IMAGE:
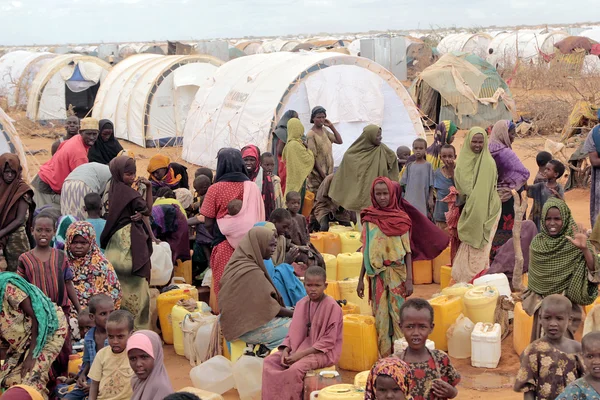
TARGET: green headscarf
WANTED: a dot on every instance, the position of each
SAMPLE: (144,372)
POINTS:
(299,160)
(362,163)
(476,176)
(451,130)
(556,266)
(43,308)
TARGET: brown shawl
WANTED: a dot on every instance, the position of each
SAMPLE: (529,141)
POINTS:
(124,202)
(10,195)
(248,298)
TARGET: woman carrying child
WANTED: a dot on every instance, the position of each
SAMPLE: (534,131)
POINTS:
(263,180)
(562,261)
(390,378)
(151,380)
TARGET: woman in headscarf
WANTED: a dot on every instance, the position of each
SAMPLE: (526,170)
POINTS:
(389,375)
(16,210)
(592,148)
(264,182)
(107,146)
(475,179)
(127,238)
(387,261)
(137,185)
(34,329)
(87,178)
(319,140)
(366,159)
(512,175)
(280,137)
(444,134)
(164,173)
(151,382)
(252,309)
(562,261)
(231,182)
(299,160)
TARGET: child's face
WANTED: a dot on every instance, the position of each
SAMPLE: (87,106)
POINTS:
(85,323)
(283,227)
(8,175)
(382,195)
(448,157)
(141,363)
(293,205)
(553,222)
(386,388)
(43,231)
(315,286)
(555,321)
(416,326)
(118,333)
(550,173)
(103,310)
(591,358)
(402,154)
(419,150)
(79,246)
(268,165)
(202,187)
(129,178)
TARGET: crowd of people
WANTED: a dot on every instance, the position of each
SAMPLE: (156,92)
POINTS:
(78,241)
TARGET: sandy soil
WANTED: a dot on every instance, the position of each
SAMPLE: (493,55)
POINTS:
(495,383)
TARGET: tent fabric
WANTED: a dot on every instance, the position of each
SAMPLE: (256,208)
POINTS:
(10,142)
(14,66)
(465,42)
(525,45)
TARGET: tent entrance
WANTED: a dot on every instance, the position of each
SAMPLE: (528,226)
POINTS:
(83,101)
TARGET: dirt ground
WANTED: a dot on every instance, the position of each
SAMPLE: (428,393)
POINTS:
(497,383)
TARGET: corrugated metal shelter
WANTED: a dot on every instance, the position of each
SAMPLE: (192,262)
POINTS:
(214,48)
(389,52)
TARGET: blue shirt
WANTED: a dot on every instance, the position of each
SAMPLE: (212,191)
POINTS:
(89,347)
(442,188)
(98,224)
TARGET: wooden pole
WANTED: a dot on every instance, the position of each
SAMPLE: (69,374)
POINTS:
(520,211)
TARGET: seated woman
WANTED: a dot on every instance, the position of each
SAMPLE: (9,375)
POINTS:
(33,330)
(252,309)
(326,210)
(164,173)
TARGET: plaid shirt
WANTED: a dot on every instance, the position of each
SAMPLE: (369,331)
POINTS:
(89,347)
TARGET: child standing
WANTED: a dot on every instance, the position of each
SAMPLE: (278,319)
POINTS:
(417,181)
(558,355)
(541,192)
(542,158)
(390,378)
(110,372)
(403,153)
(314,341)
(443,179)
(93,207)
(203,240)
(435,377)
(588,387)
(267,162)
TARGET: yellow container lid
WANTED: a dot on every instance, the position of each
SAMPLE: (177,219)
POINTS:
(341,392)
(481,294)
(458,289)
(360,380)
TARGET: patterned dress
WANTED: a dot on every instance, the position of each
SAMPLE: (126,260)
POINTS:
(437,367)
(579,390)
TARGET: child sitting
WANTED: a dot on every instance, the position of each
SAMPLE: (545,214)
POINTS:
(443,179)
(93,207)
(390,378)
(267,162)
(314,341)
(541,192)
(417,181)
(557,354)
(151,381)
(588,387)
(435,377)
(234,207)
(111,373)
(403,153)
(542,158)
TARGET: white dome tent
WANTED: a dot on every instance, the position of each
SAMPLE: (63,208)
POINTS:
(528,44)
(69,79)
(592,33)
(10,141)
(17,71)
(148,96)
(247,96)
(476,43)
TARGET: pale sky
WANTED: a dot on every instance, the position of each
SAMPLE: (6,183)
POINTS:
(26,22)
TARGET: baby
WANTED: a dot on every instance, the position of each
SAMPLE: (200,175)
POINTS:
(234,207)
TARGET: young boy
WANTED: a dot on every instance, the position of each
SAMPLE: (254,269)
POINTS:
(417,181)
(93,206)
(111,373)
(402,153)
(443,179)
(435,377)
(588,387)
(542,158)
(314,341)
(203,239)
(267,162)
(541,192)
(558,355)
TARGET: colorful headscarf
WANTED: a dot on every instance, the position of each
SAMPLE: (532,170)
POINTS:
(391,220)
(299,160)
(556,266)
(262,179)
(94,258)
(60,237)
(10,195)
(170,180)
(396,369)
(157,385)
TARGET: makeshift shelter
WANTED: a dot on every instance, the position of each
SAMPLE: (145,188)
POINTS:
(179,48)
(148,96)
(526,45)
(69,79)
(17,71)
(246,98)
(464,89)
(10,142)
(476,43)
(250,48)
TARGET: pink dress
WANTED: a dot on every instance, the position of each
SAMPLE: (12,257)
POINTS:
(286,383)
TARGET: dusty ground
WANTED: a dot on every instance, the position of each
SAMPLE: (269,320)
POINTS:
(495,383)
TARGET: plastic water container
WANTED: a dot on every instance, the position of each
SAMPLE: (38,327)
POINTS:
(589,307)
(178,313)
(339,392)
(480,304)
(523,325)
(215,375)
(180,283)
(458,290)
(161,264)
(75,361)
(183,270)
(349,265)
(459,338)
(336,228)
(307,205)
(164,304)
(401,344)
(247,375)
(350,308)
(333,289)
(202,339)
(317,380)
(330,266)
(203,394)
(359,347)
(445,276)
(446,310)
(499,281)
(189,326)
(350,241)
(486,346)
(348,293)
(332,243)
(422,272)
(360,380)
(318,240)
(439,262)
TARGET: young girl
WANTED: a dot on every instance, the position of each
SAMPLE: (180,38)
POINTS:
(443,179)
(541,192)
(435,377)
(550,364)
(267,163)
(390,378)
(151,381)
(588,387)
(417,181)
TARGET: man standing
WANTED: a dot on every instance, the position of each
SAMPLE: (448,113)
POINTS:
(72,128)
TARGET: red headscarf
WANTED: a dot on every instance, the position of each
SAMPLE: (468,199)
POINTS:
(252,151)
(392,220)
(267,188)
